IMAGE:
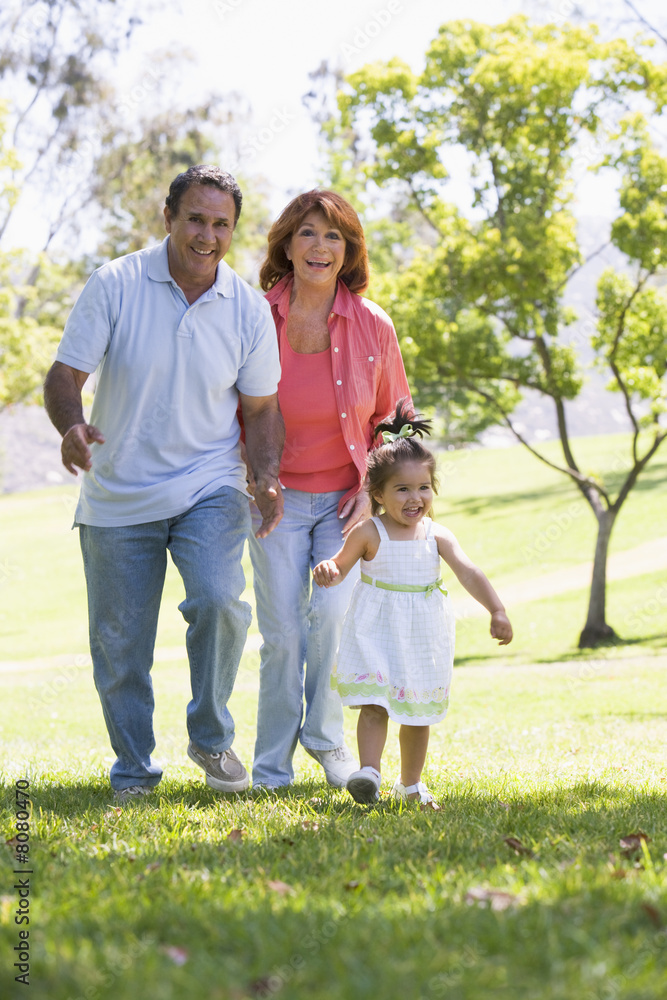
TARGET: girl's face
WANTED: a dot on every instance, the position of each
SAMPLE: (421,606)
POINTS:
(408,493)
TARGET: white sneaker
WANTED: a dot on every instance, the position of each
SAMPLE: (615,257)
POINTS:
(424,796)
(364,785)
(338,764)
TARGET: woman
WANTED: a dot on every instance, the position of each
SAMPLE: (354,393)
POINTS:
(342,373)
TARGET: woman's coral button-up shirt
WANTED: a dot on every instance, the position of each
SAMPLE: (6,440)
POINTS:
(368,373)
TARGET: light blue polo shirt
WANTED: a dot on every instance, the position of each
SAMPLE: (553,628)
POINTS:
(168,377)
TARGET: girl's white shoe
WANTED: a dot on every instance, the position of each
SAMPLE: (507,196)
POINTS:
(424,797)
(364,785)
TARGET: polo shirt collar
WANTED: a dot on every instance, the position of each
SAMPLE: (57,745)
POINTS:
(279,296)
(158,270)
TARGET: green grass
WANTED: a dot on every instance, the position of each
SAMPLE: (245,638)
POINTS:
(319,897)
(515,517)
(518,518)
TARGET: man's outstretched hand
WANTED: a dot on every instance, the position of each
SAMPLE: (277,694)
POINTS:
(74,449)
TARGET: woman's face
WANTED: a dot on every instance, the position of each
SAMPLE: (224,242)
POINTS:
(317,251)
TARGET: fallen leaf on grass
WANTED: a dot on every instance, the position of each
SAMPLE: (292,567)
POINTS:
(632,843)
(653,914)
(263,987)
(498,899)
(12,842)
(179,956)
(518,847)
(282,888)
(618,872)
(235,835)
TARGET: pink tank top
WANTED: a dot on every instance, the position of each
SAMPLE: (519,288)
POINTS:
(315,458)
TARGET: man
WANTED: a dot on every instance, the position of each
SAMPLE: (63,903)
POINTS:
(176,338)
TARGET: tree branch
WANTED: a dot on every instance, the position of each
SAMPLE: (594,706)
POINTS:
(643,20)
(636,469)
(590,489)
(587,260)
(420,208)
(612,361)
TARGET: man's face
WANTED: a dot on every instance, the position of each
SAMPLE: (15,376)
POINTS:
(201,233)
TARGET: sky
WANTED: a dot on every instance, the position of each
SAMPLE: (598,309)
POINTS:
(266,49)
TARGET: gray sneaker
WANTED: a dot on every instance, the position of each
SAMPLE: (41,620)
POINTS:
(224,771)
(134,792)
(338,764)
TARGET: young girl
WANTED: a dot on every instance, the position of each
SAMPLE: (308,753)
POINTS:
(397,648)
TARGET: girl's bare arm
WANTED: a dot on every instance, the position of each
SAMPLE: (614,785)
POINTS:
(361,543)
(475,582)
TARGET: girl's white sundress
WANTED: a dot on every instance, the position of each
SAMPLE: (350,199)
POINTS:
(397,647)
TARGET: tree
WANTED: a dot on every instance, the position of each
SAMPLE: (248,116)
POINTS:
(131,177)
(31,314)
(481,307)
(97,159)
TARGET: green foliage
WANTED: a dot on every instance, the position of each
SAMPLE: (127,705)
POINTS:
(113,161)
(479,305)
(35,297)
(132,177)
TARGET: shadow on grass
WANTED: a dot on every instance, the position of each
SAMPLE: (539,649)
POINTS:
(461,801)
(592,652)
(655,645)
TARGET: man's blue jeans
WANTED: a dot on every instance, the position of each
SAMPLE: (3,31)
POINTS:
(300,625)
(125,569)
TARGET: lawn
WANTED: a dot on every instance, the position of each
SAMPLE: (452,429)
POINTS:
(542,876)
(518,887)
(515,517)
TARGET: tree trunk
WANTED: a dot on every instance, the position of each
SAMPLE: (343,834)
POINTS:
(596,631)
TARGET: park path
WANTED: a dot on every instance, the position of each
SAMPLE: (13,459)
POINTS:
(646,558)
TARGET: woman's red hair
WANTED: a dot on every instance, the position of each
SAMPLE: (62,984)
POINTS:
(339,214)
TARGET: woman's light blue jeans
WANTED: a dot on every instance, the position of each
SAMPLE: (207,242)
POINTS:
(300,625)
(125,569)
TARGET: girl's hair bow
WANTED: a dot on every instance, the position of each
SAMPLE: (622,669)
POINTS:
(406,431)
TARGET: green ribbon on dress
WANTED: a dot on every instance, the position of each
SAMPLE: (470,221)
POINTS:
(409,588)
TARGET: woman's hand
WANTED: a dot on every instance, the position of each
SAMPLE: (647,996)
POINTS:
(356,510)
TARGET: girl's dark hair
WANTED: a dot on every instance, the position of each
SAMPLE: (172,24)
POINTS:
(382,461)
